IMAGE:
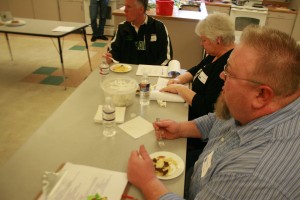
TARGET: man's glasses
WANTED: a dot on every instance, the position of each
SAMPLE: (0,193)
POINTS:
(227,74)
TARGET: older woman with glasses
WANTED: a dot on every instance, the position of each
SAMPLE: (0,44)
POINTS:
(216,34)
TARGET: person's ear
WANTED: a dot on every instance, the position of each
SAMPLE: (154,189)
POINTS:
(264,96)
(219,39)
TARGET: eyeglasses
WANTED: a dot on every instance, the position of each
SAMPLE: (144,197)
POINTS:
(227,74)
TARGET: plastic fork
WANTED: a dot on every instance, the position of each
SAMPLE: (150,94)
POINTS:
(160,141)
(112,59)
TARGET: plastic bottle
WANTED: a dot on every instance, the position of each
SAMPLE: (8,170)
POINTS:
(103,70)
(144,90)
(108,118)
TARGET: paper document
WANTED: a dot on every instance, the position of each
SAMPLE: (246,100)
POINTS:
(172,70)
(63,29)
(79,182)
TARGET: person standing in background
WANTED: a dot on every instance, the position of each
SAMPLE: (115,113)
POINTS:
(97,6)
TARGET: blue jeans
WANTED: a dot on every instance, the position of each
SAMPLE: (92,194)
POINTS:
(98,8)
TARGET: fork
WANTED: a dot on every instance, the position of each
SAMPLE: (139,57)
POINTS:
(112,59)
(160,141)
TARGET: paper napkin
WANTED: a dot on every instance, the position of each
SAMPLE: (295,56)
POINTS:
(137,127)
(164,96)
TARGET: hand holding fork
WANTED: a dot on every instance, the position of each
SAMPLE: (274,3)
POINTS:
(108,56)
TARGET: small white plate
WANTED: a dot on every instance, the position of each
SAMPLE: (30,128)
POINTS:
(176,169)
(120,68)
(15,22)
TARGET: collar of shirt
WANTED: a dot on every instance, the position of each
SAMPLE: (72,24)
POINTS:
(261,126)
(137,28)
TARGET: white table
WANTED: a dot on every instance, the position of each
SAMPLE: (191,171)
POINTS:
(43,28)
(70,134)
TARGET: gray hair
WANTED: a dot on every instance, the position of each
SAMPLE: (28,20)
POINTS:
(278,58)
(217,25)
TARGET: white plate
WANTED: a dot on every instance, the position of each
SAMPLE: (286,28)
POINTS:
(15,22)
(120,68)
(176,170)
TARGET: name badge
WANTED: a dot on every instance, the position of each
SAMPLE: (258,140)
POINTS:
(203,77)
(206,164)
(140,46)
(153,38)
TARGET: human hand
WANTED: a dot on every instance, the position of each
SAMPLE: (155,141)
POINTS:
(173,88)
(174,81)
(169,128)
(141,173)
(107,57)
(140,168)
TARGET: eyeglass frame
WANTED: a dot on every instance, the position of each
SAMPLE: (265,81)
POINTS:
(227,74)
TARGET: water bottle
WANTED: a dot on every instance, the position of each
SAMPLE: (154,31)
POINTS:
(103,70)
(108,118)
(144,90)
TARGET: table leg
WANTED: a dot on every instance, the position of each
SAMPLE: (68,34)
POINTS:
(62,62)
(87,47)
(9,48)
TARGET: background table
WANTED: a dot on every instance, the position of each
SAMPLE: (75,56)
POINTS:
(44,28)
(71,135)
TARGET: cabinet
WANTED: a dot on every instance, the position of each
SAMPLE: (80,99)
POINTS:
(281,21)
(45,9)
(296,30)
(71,10)
(39,9)
(212,9)
(21,8)
(4,5)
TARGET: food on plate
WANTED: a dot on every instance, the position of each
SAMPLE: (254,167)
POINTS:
(96,197)
(15,21)
(163,165)
(120,68)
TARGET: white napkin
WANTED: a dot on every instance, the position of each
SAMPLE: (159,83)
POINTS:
(120,114)
(137,127)
(165,96)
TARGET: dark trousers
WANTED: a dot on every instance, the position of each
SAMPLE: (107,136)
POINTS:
(96,7)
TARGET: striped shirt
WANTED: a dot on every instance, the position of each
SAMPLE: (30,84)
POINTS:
(259,160)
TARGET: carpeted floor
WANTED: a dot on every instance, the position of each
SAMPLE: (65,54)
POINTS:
(31,85)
